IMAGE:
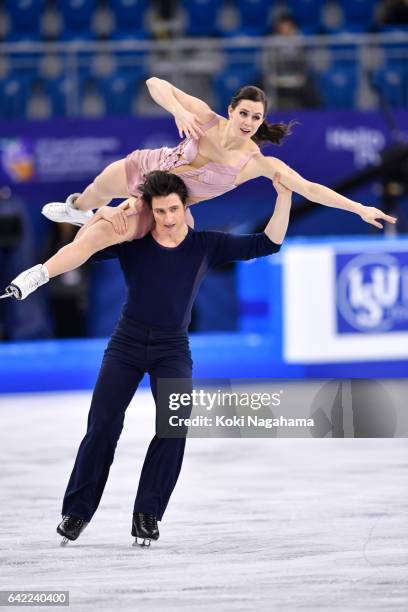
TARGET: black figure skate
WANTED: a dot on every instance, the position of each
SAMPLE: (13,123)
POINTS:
(144,529)
(70,528)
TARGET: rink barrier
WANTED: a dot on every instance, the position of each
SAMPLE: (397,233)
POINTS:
(73,364)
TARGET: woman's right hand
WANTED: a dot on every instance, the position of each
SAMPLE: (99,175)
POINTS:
(188,124)
(115,215)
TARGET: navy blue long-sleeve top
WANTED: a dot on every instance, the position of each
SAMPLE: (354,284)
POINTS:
(163,282)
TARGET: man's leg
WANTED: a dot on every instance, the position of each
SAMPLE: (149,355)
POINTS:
(164,456)
(115,387)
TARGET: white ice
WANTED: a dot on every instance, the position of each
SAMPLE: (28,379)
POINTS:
(253,524)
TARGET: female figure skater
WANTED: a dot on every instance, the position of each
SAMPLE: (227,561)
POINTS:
(216,156)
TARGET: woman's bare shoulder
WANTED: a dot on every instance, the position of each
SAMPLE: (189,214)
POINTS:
(265,160)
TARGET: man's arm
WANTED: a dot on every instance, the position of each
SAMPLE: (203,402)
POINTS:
(278,223)
(230,247)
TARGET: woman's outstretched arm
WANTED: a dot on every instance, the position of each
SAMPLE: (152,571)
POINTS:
(189,112)
(315,192)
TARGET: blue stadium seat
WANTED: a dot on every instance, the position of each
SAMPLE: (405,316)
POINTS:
(255,17)
(77,14)
(130,35)
(202,16)
(130,14)
(119,92)
(21,36)
(60,90)
(345,54)
(76,35)
(131,64)
(338,87)
(241,57)
(39,105)
(395,55)
(229,81)
(14,92)
(393,27)
(91,99)
(307,14)
(24,64)
(25,15)
(391,85)
(358,15)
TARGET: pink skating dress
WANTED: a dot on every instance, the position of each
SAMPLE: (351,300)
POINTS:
(208,181)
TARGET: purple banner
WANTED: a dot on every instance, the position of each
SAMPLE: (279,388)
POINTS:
(324,147)
(59,157)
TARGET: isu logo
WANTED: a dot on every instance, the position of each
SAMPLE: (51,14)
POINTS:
(370,292)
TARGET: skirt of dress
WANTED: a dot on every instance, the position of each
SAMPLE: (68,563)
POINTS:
(137,165)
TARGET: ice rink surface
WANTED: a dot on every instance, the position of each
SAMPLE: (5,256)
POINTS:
(253,524)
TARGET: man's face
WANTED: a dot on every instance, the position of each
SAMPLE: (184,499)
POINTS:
(169,214)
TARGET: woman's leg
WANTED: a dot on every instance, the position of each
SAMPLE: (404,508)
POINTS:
(98,236)
(95,218)
(111,183)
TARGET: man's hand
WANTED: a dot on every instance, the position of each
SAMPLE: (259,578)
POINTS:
(371,214)
(188,124)
(115,215)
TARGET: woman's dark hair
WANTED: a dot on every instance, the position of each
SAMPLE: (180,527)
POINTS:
(267,132)
(159,183)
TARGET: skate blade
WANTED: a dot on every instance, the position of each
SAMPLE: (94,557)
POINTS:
(64,542)
(6,295)
(142,542)
(11,291)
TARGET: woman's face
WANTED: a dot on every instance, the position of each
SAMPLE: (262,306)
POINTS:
(246,118)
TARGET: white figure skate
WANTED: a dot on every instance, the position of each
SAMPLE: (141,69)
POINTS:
(65,212)
(27,282)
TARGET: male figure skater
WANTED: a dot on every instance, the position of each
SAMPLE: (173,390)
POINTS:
(163,272)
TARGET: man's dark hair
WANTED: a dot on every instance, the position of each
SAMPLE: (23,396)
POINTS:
(159,183)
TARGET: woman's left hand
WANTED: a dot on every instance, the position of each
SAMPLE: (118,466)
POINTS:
(370,214)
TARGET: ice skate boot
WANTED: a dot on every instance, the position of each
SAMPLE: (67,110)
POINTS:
(144,529)
(65,212)
(70,528)
(27,282)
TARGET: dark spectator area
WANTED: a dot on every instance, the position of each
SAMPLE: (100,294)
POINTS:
(89,58)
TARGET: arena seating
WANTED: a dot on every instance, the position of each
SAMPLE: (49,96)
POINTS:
(308,14)
(391,84)
(201,17)
(230,80)
(255,17)
(77,15)
(14,92)
(25,18)
(358,15)
(116,78)
(339,87)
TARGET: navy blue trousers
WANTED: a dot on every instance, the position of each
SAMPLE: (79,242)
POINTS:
(132,351)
